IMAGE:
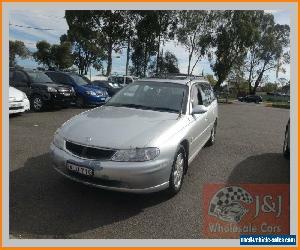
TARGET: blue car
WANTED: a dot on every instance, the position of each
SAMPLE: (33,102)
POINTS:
(87,93)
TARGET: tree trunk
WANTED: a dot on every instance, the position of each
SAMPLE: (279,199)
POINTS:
(189,66)
(158,56)
(109,59)
(128,54)
(258,80)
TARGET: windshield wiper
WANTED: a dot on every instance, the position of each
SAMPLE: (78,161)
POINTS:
(164,109)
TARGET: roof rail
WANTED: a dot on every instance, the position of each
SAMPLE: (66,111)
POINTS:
(179,76)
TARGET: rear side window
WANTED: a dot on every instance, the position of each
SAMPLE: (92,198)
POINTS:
(20,79)
(207,94)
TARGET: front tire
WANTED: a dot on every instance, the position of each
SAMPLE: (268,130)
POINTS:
(177,173)
(286,150)
(80,102)
(38,103)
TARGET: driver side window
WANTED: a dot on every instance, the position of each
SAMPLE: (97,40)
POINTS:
(196,98)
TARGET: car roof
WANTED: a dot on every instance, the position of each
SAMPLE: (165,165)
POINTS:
(186,81)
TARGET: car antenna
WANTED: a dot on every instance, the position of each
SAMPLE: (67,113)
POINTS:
(180,111)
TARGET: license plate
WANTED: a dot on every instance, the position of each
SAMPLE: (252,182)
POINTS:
(102,99)
(80,169)
(67,94)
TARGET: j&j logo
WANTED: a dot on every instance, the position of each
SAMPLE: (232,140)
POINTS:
(227,203)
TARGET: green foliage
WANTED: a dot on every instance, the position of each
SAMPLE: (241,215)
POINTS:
(145,43)
(195,28)
(112,27)
(168,64)
(232,37)
(267,50)
(17,48)
(269,87)
(88,49)
(211,80)
(56,55)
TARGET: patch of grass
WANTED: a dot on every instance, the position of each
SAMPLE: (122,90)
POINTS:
(282,105)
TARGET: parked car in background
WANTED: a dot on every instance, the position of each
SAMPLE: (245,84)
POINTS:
(286,143)
(122,80)
(40,89)
(18,101)
(112,88)
(250,98)
(156,128)
(86,92)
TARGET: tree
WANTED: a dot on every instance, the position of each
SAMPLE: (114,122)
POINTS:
(144,43)
(268,49)
(56,55)
(43,53)
(232,37)
(164,19)
(112,27)
(17,48)
(168,64)
(194,33)
(210,78)
(88,50)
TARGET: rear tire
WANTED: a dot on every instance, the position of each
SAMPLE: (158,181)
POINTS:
(178,170)
(212,138)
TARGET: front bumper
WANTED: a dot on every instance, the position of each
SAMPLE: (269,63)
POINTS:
(19,106)
(133,177)
(60,99)
(95,100)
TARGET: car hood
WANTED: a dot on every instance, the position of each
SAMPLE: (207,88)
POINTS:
(92,87)
(118,127)
(15,94)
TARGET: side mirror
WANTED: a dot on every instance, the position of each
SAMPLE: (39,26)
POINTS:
(199,109)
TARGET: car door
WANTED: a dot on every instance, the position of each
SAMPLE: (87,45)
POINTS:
(198,122)
(210,103)
(21,82)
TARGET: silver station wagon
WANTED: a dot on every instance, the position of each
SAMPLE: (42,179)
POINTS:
(142,140)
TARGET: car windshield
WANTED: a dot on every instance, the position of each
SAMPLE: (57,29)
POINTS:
(117,79)
(79,80)
(160,96)
(39,77)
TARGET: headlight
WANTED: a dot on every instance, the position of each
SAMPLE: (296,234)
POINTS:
(24,96)
(136,154)
(58,141)
(91,93)
(51,89)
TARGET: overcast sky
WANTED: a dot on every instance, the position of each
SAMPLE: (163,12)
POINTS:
(22,24)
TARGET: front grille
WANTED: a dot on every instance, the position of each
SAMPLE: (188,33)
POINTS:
(65,91)
(15,108)
(89,152)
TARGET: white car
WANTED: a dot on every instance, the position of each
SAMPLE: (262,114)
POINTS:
(18,101)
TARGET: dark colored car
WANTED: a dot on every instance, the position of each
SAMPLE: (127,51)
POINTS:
(250,98)
(286,143)
(111,88)
(40,89)
(87,93)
